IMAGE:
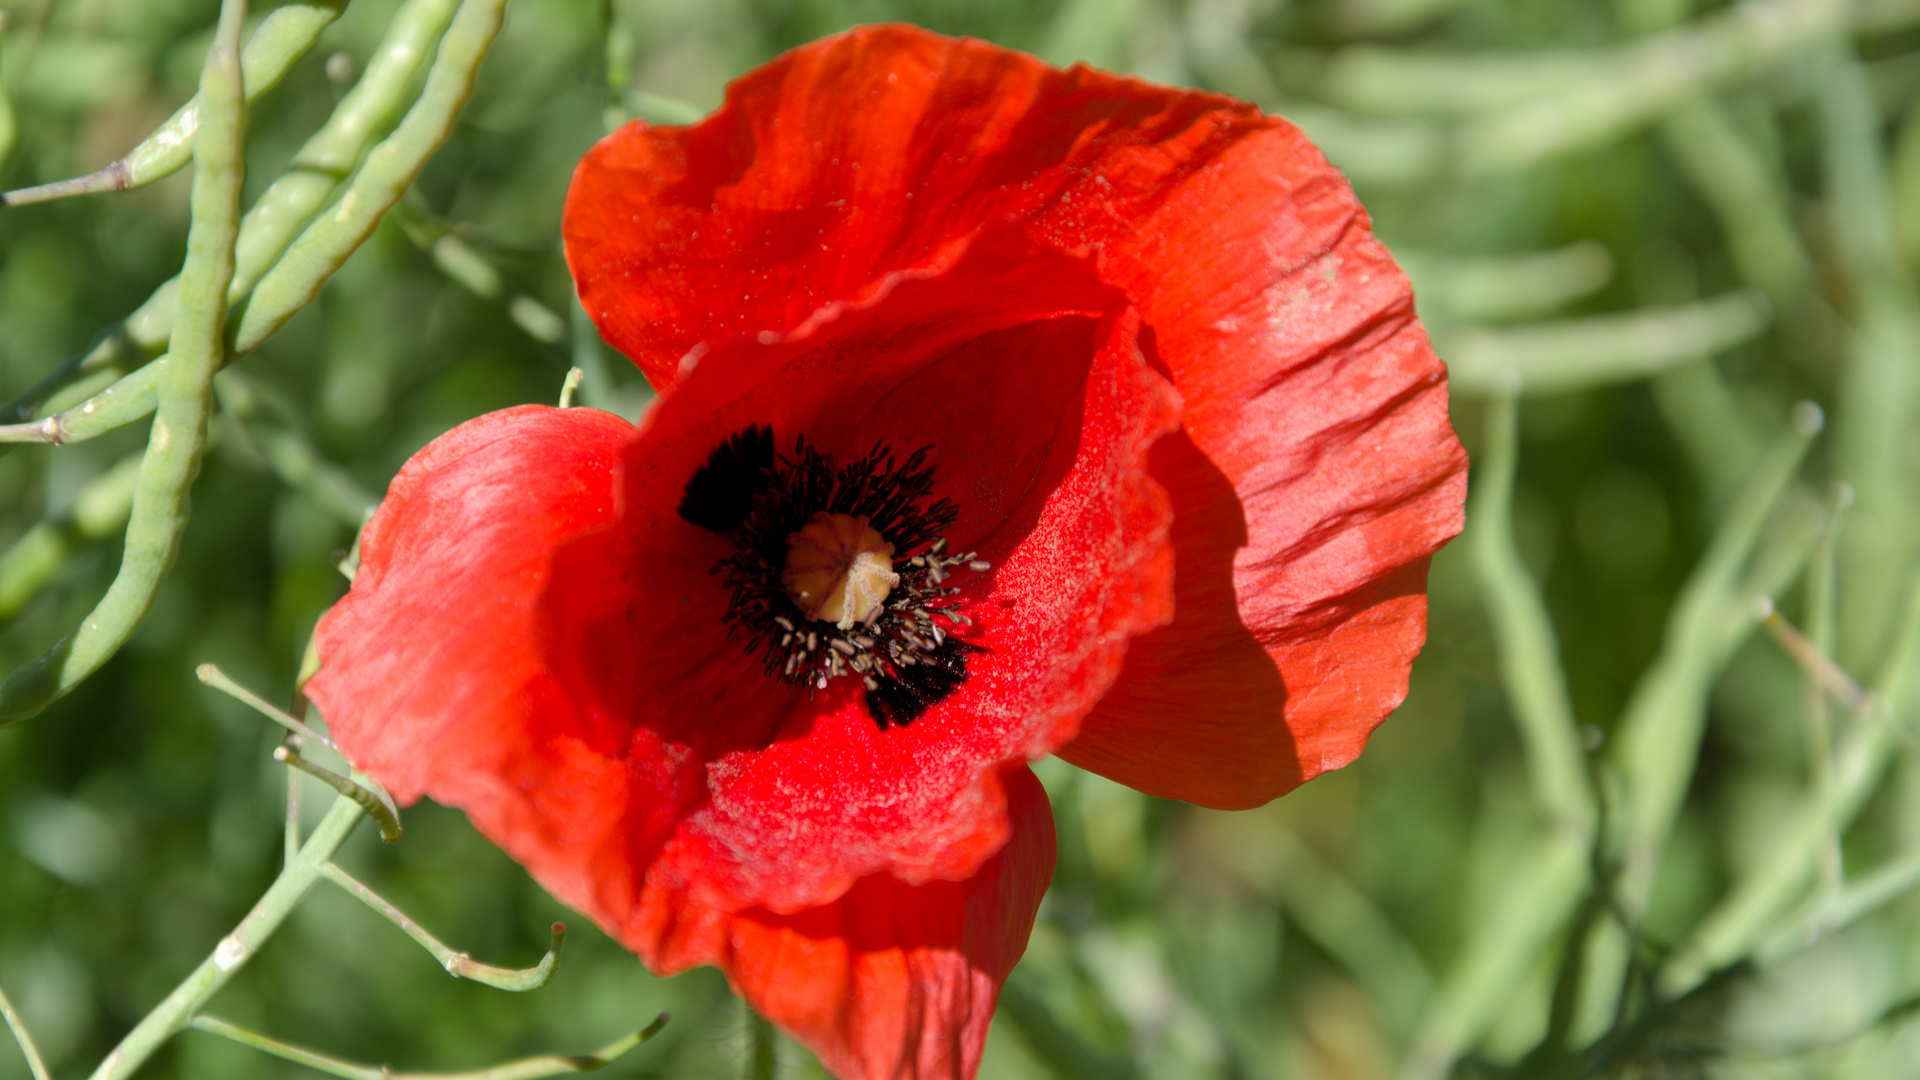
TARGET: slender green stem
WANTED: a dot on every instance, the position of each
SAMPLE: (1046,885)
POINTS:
(299,709)
(1575,354)
(1827,677)
(658,108)
(1536,684)
(1657,740)
(1509,112)
(389,169)
(80,389)
(1829,915)
(1747,914)
(323,163)
(18,1026)
(283,37)
(176,1012)
(1822,623)
(1420,81)
(1746,194)
(1703,415)
(123,403)
(291,830)
(183,392)
(1539,904)
(219,680)
(1658,737)
(458,260)
(531,1068)
(1646,79)
(1503,288)
(567,388)
(1499,952)
(1376,80)
(1878,403)
(371,800)
(334,151)
(458,964)
(298,277)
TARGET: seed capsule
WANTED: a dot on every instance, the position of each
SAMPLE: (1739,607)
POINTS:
(839,570)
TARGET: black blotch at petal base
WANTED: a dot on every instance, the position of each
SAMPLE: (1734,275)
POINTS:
(720,494)
(915,688)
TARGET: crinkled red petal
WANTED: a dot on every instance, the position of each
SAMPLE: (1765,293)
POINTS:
(430,678)
(1316,471)
(1315,475)
(880,151)
(889,981)
(1025,379)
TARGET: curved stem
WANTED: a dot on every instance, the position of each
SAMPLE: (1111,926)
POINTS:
(180,387)
(282,38)
(220,681)
(176,1012)
(389,170)
(458,964)
(300,192)
(1748,913)
(298,277)
(1598,350)
(19,1028)
(374,803)
(1657,740)
(531,1068)
(1535,681)
(183,392)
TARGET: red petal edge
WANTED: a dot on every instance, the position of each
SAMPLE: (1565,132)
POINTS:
(890,981)
(428,666)
(1316,475)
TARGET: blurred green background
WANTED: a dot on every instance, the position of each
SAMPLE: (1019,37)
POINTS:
(1661,223)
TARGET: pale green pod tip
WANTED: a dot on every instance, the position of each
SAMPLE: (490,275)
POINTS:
(284,36)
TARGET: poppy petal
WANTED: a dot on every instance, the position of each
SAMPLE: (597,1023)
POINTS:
(428,665)
(1315,475)
(847,162)
(889,982)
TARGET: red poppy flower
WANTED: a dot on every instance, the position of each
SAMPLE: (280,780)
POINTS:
(1003,410)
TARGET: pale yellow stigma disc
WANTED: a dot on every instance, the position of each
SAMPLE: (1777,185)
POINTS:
(839,570)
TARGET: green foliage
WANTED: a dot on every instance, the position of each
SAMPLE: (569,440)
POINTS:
(1616,829)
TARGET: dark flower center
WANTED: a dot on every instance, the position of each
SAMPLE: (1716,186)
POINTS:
(800,529)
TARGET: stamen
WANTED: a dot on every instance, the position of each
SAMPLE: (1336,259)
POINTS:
(855,553)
